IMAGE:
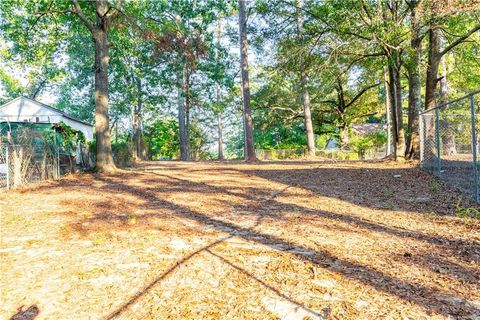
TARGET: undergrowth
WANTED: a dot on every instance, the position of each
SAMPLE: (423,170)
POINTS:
(465,212)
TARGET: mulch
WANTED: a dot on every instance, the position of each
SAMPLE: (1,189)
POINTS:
(230,240)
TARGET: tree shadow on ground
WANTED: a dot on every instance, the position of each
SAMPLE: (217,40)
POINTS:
(26,314)
(440,265)
(404,189)
(148,194)
(421,295)
(261,205)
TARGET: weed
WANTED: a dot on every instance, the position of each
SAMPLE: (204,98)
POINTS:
(99,239)
(465,212)
(132,219)
(435,186)
(388,206)
(388,193)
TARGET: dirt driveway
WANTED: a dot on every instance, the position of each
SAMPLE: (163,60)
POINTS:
(234,241)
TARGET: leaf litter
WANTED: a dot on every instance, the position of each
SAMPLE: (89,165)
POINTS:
(272,240)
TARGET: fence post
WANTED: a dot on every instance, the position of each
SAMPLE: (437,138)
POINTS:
(7,162)
(421,132)
(437,140)
(474,149)
(58,162)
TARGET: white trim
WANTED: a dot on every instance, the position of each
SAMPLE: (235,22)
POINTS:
(59,112)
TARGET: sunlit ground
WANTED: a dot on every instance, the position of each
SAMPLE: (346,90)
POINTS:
(235,241)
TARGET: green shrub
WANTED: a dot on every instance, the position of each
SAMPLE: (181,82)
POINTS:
(465,212)
(367,142)
(122,153)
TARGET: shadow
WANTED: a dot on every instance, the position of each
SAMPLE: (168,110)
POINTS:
(152,187)
(414,293)
(124,307)
(26,314)
(402,189)
(442,266)
(322,315)
(461,248)
(457,173)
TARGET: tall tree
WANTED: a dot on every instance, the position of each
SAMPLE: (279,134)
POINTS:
(412,147)
(436,52)
(219,97)
(307,114)
(99,28)
(247,114)
(184,115)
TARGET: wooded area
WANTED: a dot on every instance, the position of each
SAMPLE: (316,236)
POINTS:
(171,79)
(291,240)
(239,159)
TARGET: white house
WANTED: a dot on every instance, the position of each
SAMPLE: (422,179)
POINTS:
(23,109)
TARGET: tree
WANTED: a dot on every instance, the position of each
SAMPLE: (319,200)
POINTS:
(247,115)
(304,84)
(99,28)
(435,52)
(412,147)
(97,17)
(219,97)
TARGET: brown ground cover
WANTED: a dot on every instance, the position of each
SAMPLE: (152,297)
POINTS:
(290,240)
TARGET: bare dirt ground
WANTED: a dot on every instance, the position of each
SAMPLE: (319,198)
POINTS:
(284,240)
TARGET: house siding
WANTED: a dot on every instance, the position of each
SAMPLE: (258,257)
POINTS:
(27,110)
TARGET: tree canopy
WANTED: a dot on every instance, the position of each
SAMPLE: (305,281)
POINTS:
(306,72)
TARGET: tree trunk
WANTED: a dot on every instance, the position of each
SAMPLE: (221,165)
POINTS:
(399,114)
(432,68)
(182,130)
(219,99)
(393,111)
(137,123)
(344,140)
(250,148)
(219,128)
(104,159)
(449,145)
(412,150)
(220,137)
(307,115)
(388,113)
(188,151)
(395,87)
(429,135)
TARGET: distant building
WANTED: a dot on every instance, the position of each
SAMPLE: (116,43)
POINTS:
(362,129)
(26,110)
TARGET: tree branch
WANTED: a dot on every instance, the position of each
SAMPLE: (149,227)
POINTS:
(115,13)
(360,94)
(43,13)
(78,11)
(459,40)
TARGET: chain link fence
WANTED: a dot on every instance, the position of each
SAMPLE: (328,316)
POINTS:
(449,144)
(24,164)
(320,154)
(327,154)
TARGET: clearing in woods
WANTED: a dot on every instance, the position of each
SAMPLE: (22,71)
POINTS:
(286,240)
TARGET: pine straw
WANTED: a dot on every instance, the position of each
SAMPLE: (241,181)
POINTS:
(241,241)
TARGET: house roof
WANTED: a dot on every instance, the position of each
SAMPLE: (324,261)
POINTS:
(367,128)
(66,115)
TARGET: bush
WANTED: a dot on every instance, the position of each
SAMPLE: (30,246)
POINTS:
(368,142)
(123,153)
